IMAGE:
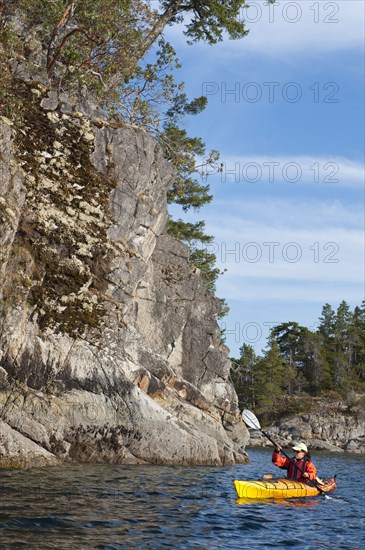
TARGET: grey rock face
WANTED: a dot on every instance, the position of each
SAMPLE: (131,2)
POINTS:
(109,347)
(330,427)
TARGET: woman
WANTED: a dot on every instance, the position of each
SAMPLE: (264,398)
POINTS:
(300,468)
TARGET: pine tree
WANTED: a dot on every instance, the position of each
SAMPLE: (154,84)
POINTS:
(327,323)
(342,344)
(290,338)
(326,330)
(316,368)
(357,342)
(331,358)
(270,378)
(341,366)
(242,374)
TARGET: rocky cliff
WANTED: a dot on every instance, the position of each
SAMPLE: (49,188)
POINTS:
(109,346)
(330,425)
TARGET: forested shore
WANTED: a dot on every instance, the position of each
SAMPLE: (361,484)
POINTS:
(299,364)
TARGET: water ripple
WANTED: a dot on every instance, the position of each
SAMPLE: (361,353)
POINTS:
(125,507)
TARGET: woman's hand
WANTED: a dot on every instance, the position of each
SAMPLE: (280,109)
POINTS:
(278,449)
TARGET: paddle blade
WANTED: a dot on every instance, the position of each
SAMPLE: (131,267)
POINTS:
(250,420)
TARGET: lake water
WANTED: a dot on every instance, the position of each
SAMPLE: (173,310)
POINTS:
(152,507)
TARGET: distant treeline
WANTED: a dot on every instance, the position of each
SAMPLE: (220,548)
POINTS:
(302,362)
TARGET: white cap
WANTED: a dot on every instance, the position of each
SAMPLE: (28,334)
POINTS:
(300,447)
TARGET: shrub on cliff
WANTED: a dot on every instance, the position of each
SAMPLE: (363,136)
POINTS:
(101,45)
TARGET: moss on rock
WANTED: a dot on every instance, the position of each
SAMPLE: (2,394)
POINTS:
(61,250)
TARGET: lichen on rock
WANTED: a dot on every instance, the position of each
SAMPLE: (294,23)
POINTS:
(109,346)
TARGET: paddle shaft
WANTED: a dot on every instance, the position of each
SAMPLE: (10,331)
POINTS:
(311,481)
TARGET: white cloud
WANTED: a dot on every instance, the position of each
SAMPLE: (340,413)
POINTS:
(289,254)
(251,216)
(330,171)
(289,28)
(287,249)
(314,211)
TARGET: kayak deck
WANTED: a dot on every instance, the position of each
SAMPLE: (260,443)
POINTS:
(280,488)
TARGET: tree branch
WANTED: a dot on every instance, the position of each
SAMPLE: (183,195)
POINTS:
(65,17)
(156,30)
(56,56)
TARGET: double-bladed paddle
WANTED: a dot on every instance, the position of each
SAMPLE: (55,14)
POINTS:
(252,422)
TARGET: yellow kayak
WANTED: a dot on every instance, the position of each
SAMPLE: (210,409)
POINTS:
(280,488)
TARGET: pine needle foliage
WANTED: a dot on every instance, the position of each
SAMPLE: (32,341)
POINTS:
(303,362)
(115,50)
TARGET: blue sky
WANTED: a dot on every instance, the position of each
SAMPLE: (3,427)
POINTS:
(286,111)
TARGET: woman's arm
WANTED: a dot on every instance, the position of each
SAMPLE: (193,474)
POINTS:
(280,461)
(311,470)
